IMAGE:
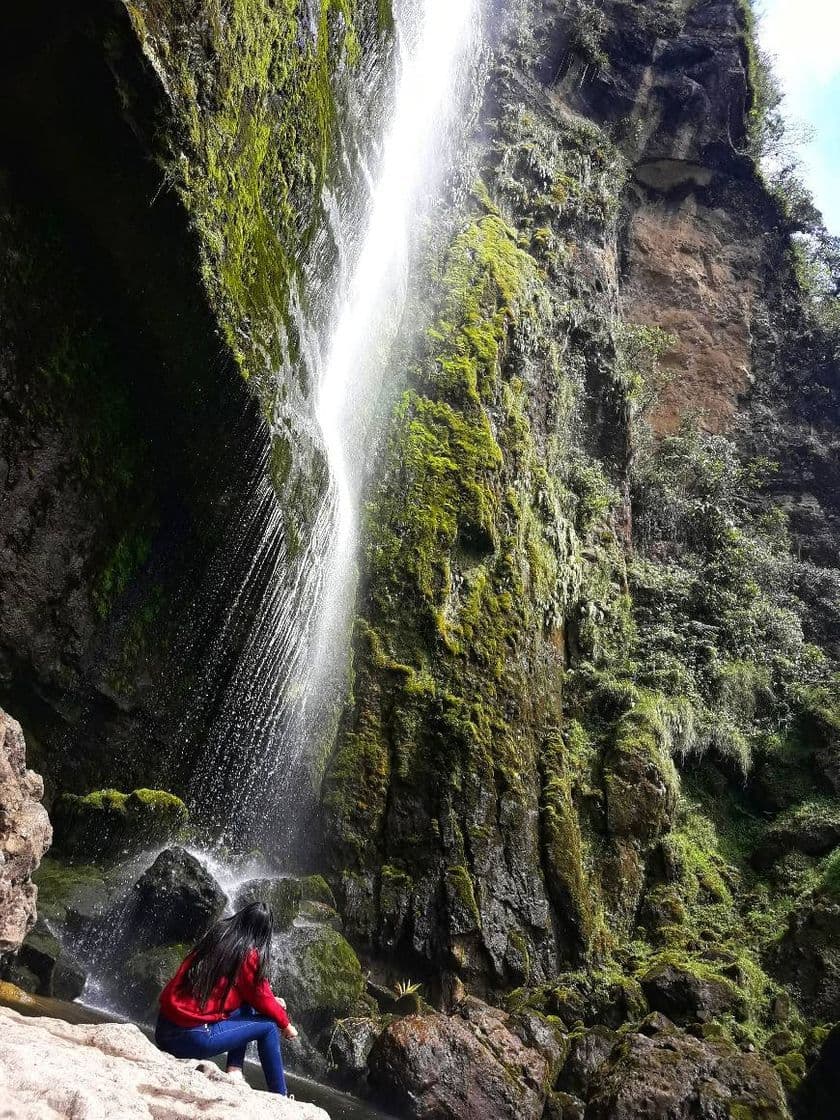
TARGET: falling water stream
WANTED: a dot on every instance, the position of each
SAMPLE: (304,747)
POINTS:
(279,596)
(282,694)
(287,619)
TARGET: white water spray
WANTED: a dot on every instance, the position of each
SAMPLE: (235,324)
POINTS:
(284,687)
(433,41)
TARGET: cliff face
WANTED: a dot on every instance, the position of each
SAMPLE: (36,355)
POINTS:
(594,676)
(25,835)
(161,182)
(590,759)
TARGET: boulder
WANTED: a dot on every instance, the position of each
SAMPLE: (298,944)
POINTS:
(671,1075)
(544,1034)
(148,971)
(350,1047)
(49,1068)
(176,899)
(595,997)
(43,968)
(25,835)
(72,895)
(108,824)
(813,831)
(807,957)
(689,995)
(818,1095)
(319,975)
(315,888)
(283,896)
(320,913)
(587,1053)
(467,1066)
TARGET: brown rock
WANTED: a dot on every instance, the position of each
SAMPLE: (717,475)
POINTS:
(49,1068)
(673,1076)
(461,1067)
(25,835)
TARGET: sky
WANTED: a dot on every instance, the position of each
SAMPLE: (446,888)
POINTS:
(803,36)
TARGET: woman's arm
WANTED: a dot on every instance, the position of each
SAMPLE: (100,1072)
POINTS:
(258,993)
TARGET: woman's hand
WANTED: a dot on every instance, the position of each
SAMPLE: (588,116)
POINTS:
(282,1002)
(290,1031)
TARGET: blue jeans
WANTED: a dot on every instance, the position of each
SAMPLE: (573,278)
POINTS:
(232,1035)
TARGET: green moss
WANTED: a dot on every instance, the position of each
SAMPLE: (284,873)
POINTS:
(333,975)
(475,567)
(61,885)
(105,823)
(464,913)
(315,888)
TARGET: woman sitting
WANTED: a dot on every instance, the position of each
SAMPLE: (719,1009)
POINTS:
(219,1000)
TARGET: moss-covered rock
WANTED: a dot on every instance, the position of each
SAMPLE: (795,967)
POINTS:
(41,966)
(108,824)
(315,888)
(319,975)
(691,994)
(283,896)
(147,972)
(71,893)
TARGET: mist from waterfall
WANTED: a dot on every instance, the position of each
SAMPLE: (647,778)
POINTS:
(289,619)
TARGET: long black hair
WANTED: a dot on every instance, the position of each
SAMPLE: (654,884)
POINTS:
(221,952)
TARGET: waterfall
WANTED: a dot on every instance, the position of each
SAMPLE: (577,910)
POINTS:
(289,620)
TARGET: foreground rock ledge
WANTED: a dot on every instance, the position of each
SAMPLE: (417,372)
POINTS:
(51,1069)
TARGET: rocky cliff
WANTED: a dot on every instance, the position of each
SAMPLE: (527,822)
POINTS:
(25,835)
(160,183)
(589,763)
(593,729)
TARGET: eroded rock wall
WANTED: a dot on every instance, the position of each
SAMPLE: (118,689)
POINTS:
(594,663)
(160,184)
(25,835)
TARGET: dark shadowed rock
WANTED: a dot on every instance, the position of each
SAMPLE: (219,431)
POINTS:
(687,996)
(563,1106)
(813,833)
(177,899)
(44,969)
(673,1076)
(807,957)
(818,1097)
(587,1054)
(459,1067)
(350,1047)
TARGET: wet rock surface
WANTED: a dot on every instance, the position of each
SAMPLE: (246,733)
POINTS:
(807,957)
(350,1046)
(176,899)
(25,835)
(43,967)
